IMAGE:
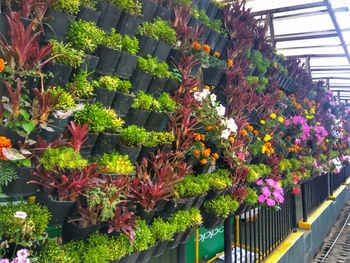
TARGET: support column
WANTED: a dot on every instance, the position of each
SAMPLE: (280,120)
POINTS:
(228,240)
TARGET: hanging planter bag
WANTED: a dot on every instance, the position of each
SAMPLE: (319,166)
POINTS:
(128,24)
(88,14)
(57,25)
(109,17)
(212,76)
(20,186)
(73,232)
(122,103)
(108,61)
(126,66)
(140,81)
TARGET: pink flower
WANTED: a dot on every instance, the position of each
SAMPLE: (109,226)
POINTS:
(278,197)
(23,253)
(266,191)
(241,156)
(270,202)
(259,182)
(287,122)
(21,215)
(270,182)
(261,198)
(4,260)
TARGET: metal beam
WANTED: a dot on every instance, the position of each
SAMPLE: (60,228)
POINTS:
(319,55)
(269,20)
(308,47)
(311,13)
(337,27)
(340,78)
(330,69)
(287,8)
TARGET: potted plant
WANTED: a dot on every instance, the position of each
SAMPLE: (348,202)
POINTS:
(130,18)
(158,32)
(123,99)
(163,232)
(217,210)
(106,87)
(219,182)
(149,9)
(131,140)
(59,18)
(159,118)
(140,109)
(156,140)
(100,120)
(86,36)
(88,12)
(116,164)
(110,15)
(80,87)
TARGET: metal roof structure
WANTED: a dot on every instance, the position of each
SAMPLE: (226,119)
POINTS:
(316,31)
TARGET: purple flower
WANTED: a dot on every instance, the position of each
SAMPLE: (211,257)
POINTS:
(266,191)
(261,198)
(259,182)
(270,202)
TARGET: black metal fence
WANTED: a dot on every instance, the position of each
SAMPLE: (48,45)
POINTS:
(314,192)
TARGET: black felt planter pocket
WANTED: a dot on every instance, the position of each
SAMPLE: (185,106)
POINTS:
(159,249)
(145,152)
(60,74)
(149,9)
(4,27)
(212,76)
(162,51)
(72,232)
(213,39)
(189,232)
(210,221)
(140,81)
(106,143)
(89,64)
(109,17)
(146,215)
(132,152)
(88,14)
(221,44)
(199,201)
(156,86)
(130,258)
(105,97)
(145,256)
(126,66)
(163,13)
(176,241)
(122,103)
(147,45)
(57,25)
(11,134)
(59,126)
(128,24)
(58,209)
(157,121)
(20,186)
(212,11)
(108,61)
(89,144)
(203,4)
(214,194)
(171,86)
(137,117)
(174,57)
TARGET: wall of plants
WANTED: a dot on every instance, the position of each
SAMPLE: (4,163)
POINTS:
(135,122)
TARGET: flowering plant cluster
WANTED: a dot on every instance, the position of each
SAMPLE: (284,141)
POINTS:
(270,192)
(22,257)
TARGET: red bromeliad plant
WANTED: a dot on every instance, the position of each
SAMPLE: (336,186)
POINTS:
(124,221)
(15,99)
(67,185)
(79,135)
(43,106)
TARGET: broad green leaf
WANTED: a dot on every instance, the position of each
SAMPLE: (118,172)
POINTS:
(28,126)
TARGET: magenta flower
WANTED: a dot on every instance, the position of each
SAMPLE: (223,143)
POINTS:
(287,122)
(23,253)
(266,191)
(270,202)
(270,182)
(4,260)
(261,198)
(259,182)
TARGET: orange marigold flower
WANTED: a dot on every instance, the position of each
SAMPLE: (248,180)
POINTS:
(216,54)
(215,156)
(202,137)
(197,136)
(229,62)
(4,143)
(244,133)
(206,48)
(256,133)
(204,161)
(206,152)
(250,128)
(2,65)
(196,46)
(268,144)
(232,139)
(196,153)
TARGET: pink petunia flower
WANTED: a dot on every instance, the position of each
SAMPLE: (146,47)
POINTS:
(266,191)
(23,253)
(261,198)
(270,202)
(259,182)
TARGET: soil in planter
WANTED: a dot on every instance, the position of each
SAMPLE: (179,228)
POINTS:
(60,74)
(122,103)
(105,96)
(58,209)
(126,66)
(140,81)
(72,232)
(212,76)
(137,117)
(89,144)
(88,14)
(157,121)
(147,45)
(156,86)
(128,24)
(108,61)
(162,51)
(57,25)
(109,17)
(149,9)
(20,186)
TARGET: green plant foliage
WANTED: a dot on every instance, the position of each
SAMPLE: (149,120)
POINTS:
(162,230)
(152,66)
(134,136)
(80,87)
(99,118)
(89,3)
(117,163)
(130,45)
(252,197)
(257,171)
(201,15)
(53,253)
(112,83)
(166,103)
(62,158)
(185,219)
(218,180)
(259,83)
(65,101)
(262,64)
(67,54)
(23,231)
(192,186)
(143,101)
(133,7)
(70,7)
(159,138)
(120,42)
(85,35)
(143,237)
(7,175)
(159,30)
(222,206)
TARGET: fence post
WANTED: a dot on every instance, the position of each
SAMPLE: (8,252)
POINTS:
(181,253)
(294,212)
(228,239)
(329,181)
(303,201)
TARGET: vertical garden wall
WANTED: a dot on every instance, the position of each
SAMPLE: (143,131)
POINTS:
(134,123)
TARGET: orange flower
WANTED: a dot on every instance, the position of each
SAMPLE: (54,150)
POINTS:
(256,133)
(244,133)
(250,128)
(232,139)
(196,46)
(204,161)
(206,48)
(196,153)
(216,54)
(215,156)
(202,137)
(4,143)
(268,144)
(206,152)
(229,62)
(2,65)
(197,136)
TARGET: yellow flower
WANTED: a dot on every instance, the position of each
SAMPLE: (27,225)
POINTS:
(318,123)
(267,138)
(207,87)
(258,139)
(273,116)
(280,119)
(312,110)
(306,112)
(262,122)
(263,149)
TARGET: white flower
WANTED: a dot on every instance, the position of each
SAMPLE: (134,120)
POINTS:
(221,110)
(213,99)
(23,253)
(201,95)
(225,134)
(231,125)
(20,214)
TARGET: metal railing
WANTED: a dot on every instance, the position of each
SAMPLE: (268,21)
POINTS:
(336,180)
(314,192)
